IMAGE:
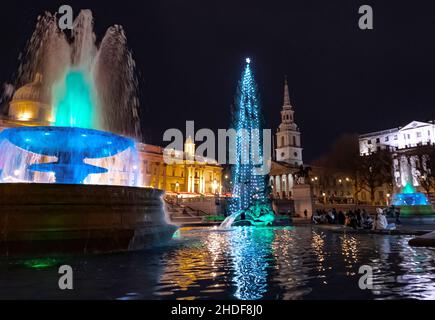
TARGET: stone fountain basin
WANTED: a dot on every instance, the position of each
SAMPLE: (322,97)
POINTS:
(59,219)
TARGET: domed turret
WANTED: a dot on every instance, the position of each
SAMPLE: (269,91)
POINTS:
(29,103)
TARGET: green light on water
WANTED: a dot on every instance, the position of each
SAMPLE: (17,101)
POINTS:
(42,263)
(74,102)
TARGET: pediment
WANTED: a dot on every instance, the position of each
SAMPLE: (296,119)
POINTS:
(416,124)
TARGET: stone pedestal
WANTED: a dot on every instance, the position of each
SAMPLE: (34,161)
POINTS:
(303,199)
(57,219)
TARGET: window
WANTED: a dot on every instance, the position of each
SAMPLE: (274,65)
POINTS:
(387,138)
(381,194)
(418,134)
(378,140)
(294,140)
(282,154)
(369,141)
(282,141)
(428,132)
(409,136)
(396,137)
(296,154)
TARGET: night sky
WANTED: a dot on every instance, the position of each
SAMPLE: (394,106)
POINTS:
(190,55)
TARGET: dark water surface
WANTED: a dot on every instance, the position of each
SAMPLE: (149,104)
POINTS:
(243,263)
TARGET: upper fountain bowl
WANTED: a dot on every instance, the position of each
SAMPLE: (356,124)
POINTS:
(53,141)
(71,146)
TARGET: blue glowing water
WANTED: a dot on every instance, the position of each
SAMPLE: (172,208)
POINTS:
(71,146)
(410,197)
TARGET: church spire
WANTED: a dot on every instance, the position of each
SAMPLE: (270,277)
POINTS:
(287,104)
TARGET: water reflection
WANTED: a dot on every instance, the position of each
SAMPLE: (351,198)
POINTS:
(291,275)
(243,263)
(250,249)
(349,251)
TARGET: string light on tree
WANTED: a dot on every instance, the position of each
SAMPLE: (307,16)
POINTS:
(249,187)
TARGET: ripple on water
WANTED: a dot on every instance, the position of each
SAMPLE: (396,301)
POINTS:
(241,263)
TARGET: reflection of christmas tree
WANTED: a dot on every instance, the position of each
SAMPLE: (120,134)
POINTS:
(248,186)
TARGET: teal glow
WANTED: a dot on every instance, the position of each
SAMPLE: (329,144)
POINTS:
(408,189)
(177,234)
(74,102)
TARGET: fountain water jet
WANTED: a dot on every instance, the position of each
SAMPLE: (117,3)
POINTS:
(105,69)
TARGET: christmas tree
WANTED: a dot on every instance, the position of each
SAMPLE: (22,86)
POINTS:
(249,192)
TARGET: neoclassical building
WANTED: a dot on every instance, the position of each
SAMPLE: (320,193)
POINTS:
(31,107)
(403,142)
(288,153)
(194,175)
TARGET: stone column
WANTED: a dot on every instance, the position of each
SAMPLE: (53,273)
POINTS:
(284,186)
(189,183)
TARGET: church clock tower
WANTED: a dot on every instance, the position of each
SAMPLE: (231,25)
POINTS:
(288,136)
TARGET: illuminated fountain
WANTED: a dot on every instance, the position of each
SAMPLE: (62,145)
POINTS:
(62,205)
(412,202)
(68,143)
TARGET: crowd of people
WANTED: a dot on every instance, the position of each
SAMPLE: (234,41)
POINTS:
(357,219)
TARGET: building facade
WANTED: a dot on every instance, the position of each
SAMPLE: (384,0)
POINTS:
(404,143)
